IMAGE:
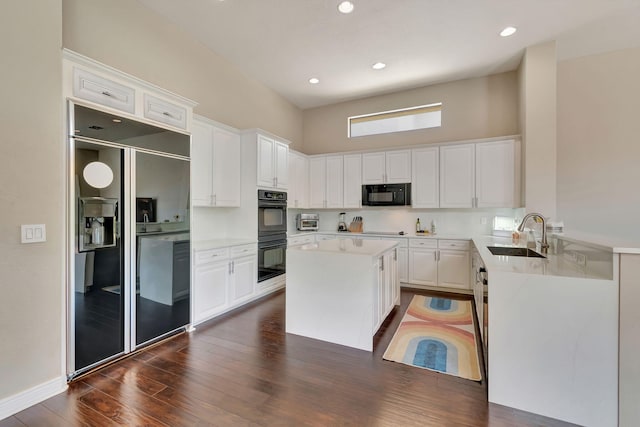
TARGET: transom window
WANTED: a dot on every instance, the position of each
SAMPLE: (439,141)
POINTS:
(404,119)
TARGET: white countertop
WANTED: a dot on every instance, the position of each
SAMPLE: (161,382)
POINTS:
(552,265)
(203,245)
(620,246)
(346,246)
(174,237)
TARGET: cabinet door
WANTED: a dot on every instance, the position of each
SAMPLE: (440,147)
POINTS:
(244,276)
(210,289)
(334,181)
(353,181)
(394,283)
(398,166)
(266,172)
(378,294)
(496,174)
(453,269)
(457,176)
(164,112)
(226,168)
(373,168)
(423,267)
(403,265)
(298,181)
(201,164)
(317,182)
(281,166)
(103,91)
(425,178)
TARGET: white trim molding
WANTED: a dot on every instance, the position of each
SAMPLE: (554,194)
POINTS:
(13,404)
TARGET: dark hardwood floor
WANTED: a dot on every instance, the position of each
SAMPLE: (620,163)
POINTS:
(243,369)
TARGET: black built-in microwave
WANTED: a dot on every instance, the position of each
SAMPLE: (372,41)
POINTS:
(386,195)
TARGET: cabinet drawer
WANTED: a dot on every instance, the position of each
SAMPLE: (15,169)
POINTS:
(423,243)
(243,250)
(97,89)
(165,112)
(211,255)
(402,242)
(462,245)
(301,240)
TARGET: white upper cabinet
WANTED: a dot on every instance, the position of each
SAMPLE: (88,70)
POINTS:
(100,90)
(298,193)
(215,165)
(386,167)
(317,182)
(481,175)
(164,111)
(497,174)
(425,192)
(273,163)
(457,176)
(326,182)
(111,90)
(334,182)
(352,181)
(202,164)
(398,166)
(373,168)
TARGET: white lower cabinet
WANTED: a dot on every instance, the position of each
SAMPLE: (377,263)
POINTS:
(210,290)
(439,263)
(386,291)
(224,278)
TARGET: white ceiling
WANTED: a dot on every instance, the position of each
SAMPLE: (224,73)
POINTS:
(283,43)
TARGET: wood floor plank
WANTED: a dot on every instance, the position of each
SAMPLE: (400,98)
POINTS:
(244,370)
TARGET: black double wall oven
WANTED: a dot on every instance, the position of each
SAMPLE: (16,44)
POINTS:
(272,234)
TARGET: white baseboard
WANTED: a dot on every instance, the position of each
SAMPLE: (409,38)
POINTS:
(16,403)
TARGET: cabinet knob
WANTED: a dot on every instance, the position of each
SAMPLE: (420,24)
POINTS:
(105,93)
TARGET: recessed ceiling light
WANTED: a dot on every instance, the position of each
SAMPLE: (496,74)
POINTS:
(116,120)
(378,65)
(508,31)
(345,7)
(314,81)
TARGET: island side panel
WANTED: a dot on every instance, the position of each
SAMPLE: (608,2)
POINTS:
(330,297)
(553,346)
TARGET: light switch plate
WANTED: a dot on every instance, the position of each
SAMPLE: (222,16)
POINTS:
(33,233)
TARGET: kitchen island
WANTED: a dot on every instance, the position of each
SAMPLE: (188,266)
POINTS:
(341,290)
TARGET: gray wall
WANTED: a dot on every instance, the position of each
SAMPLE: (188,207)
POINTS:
(474,108)
(32,191)
(598,149)
(129,37)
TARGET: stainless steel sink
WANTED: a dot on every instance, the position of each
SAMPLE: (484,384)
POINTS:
(509,251)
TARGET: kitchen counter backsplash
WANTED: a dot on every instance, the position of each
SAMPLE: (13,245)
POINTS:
(395,219)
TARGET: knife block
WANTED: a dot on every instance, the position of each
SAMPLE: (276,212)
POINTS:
(356,227)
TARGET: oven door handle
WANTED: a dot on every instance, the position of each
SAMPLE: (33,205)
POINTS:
(274,245)
(265,204)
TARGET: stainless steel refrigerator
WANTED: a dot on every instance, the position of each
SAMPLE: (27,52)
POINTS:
(129,236)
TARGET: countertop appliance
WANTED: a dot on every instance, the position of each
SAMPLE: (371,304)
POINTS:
(386,194)
(307,221)
(342,225)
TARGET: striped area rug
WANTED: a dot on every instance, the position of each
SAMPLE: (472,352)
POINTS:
(437,334)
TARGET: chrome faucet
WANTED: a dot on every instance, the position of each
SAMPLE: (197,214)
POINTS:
(544,246)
